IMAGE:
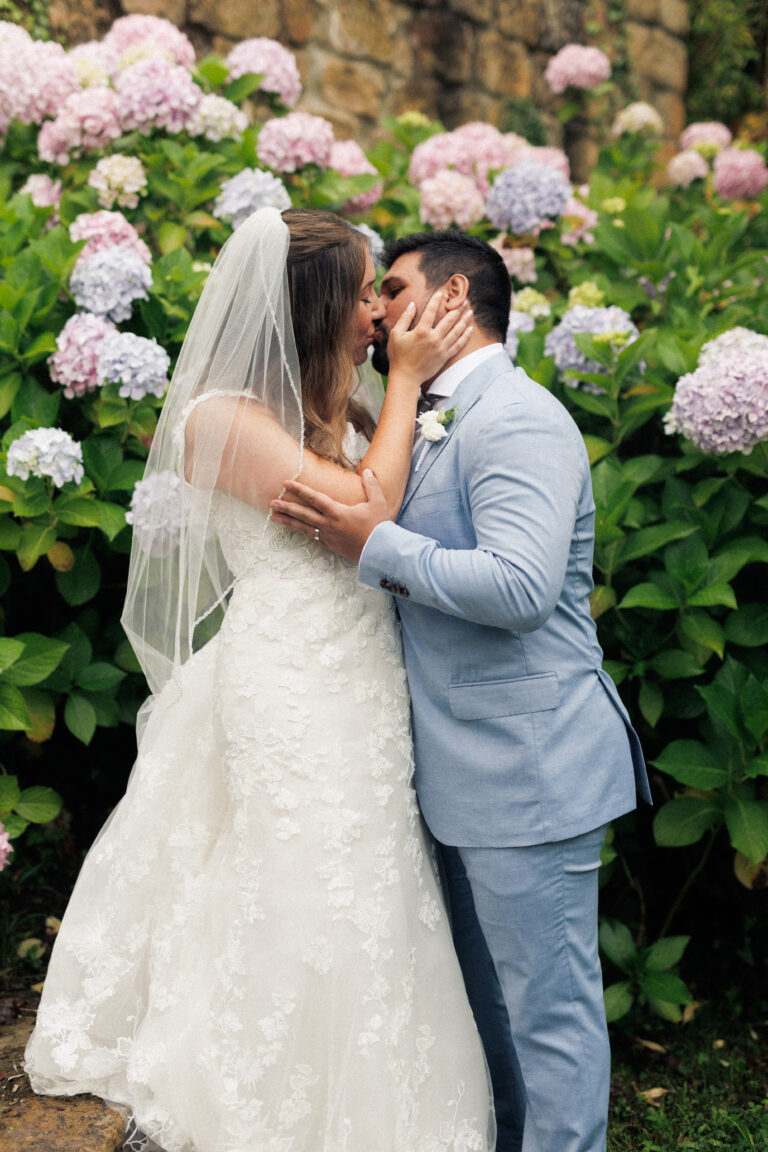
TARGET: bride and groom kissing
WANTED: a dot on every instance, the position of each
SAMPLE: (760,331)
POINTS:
(334,1016)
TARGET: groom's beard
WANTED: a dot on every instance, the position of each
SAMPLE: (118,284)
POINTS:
(379,358)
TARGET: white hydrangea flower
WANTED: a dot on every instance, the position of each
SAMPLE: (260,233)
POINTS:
(50,452)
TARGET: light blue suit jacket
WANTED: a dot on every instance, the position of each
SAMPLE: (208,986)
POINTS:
(520,737)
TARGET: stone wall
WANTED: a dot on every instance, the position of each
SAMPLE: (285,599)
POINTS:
(455,60)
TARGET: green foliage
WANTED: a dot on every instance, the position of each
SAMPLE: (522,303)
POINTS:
(648,973)
(726,55)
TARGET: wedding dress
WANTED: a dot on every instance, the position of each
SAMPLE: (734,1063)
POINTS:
(256,957)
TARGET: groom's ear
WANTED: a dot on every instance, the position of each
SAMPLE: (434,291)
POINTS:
(456,291)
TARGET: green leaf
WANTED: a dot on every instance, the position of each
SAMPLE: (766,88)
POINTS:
(10,650)
(648,596)
(81,511)
(39,805)
(41,655)
(9,793)
(757,767)
(171,236)
(42,715)
(713,594)
(100,677)
(80,718)
(81,583)
(687,561)
(10,534)
(650,700)
(748,626)
(601,600)
(126,476)
(36,539)
(102,456)
(704,630)
(665,986)
(125,657)
(685,820)
(676,664)
(617,943)
(243,86)
(665,1009)
(692,763)
(13,711)
(747,822)
(754,707)
(722,706)
(596,448)
(648,540)
(14,825)
(213,69)
(665,953)
(112,518)
(618,1000)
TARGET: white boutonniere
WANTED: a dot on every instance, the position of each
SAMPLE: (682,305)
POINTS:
(434,424)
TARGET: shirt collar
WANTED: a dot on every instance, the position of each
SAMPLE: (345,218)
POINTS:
(448,381)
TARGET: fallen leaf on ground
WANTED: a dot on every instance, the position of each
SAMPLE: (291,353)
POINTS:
(650,1044)
(653,1096)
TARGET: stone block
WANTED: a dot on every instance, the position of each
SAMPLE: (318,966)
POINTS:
(417,92)
(240,19)
(503,66)
(173,10)
(61,1124)
(353,85)
(521,19)
(478,11)
(671,108)
(646,11)
(667,62)
(345,126)
(359,28)
(300,18)
(674,16)
(462,105)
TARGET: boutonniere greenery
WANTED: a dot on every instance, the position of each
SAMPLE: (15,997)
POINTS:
(434,424)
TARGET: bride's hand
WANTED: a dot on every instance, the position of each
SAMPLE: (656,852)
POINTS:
(419,352)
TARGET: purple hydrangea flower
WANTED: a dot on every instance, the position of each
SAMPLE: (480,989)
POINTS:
(518,322)
(723,406)
(561,344)
(108,282)
(250,190)
(138,365)
(46,452)
(78,345)
(525,197)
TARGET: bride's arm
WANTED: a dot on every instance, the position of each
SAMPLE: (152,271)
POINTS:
(259,455)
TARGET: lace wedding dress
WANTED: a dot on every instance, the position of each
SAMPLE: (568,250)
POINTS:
(256,957)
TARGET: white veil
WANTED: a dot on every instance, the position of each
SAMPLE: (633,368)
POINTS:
(240,343)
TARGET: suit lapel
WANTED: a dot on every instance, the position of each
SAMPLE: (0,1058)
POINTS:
(466,395)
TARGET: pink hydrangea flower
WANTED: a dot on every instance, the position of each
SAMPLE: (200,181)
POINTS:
(476,149)
(722,406)
(707,134)
(289,142)
(38,76)
(272,61)
(86,123)
(348,158)
(156,94)
(740,174)
(450,198)
(13,35)
(78,347)
(577,66)
(5,847)
(129,31)
(106,230)
(45,193)
(520,262)
(577,220)
(7,109)
(686,167)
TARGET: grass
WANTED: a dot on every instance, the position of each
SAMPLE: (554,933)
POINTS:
(714,1073)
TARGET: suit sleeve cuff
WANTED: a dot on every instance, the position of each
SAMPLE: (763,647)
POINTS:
(378,552)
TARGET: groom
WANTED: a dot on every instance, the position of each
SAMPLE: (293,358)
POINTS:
(524,751)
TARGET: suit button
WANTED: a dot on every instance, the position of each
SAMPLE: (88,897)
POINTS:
(405,592)
(384,583)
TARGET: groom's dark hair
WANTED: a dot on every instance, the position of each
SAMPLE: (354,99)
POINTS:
(442,254)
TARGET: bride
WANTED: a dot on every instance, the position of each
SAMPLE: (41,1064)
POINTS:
(256,956)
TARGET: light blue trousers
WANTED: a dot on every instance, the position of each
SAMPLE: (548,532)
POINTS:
(525,929)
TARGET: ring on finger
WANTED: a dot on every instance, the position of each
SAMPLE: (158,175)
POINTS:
(316,535)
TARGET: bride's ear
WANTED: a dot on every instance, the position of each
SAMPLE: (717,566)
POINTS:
(456,291)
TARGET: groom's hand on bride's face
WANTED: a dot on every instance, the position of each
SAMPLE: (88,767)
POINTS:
(342,528)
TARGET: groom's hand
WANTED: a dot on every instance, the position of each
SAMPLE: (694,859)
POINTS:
(342,528)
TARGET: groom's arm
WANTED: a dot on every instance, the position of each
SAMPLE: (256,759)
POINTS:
(525,473)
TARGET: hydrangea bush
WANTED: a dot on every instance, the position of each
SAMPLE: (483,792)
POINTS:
(640,300)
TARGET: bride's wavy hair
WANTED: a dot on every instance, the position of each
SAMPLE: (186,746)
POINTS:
(326,263)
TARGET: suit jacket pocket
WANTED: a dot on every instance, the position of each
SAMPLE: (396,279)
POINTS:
(444,501)
(484,699)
